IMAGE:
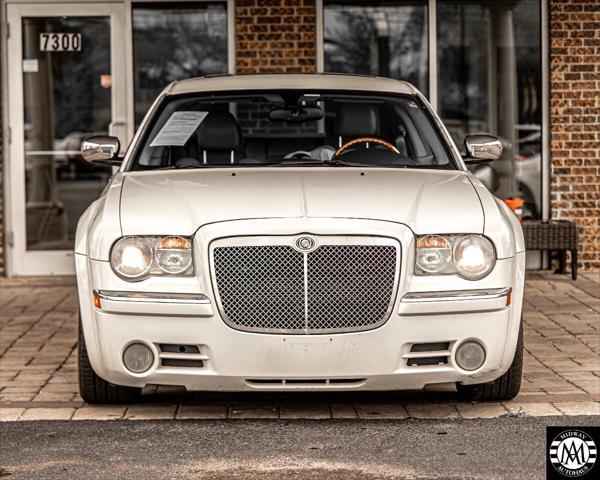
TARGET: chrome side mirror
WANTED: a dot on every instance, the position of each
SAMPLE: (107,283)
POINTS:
(101,149)
(482,148)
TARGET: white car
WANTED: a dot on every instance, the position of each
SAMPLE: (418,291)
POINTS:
(297,232)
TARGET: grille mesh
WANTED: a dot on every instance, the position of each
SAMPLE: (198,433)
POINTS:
(349,286)
(262,288)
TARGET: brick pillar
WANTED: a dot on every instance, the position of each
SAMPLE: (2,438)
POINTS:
(276,36)
(575,120)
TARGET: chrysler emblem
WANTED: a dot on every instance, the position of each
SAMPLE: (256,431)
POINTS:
(305,244)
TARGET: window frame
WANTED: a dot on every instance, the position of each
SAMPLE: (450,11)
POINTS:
(455,163)
(433,79)
(320,21)
(129,123)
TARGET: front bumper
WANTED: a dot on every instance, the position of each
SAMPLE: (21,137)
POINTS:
(232,360)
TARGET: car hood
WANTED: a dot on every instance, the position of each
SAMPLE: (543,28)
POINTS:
(181,201)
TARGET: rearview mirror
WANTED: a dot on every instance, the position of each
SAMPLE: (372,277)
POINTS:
(482,148)
(296,114)
(101,149)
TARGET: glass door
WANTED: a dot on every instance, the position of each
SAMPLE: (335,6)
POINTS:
(66,82)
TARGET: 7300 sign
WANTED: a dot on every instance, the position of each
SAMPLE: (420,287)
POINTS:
(60,42)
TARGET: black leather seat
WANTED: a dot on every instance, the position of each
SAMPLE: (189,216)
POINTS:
(220,139)
(356,120)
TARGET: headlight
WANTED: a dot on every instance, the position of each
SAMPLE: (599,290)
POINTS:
(131,257)
(174,255)
(135,258)
(434,254)
(469,256)
(474,257)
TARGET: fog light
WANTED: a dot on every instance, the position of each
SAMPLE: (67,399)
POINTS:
(138,357)
(470,355)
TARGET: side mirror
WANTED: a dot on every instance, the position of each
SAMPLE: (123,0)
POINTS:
(482,148)
(102,149)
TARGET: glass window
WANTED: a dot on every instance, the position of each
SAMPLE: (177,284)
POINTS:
(67,97)
(293,128)
(385,38)
(173,41)
(489,80)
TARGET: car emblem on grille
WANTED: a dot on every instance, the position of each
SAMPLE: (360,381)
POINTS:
(305,244)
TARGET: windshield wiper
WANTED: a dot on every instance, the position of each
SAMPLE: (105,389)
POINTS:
(322,163)
(183,167)
(309,162)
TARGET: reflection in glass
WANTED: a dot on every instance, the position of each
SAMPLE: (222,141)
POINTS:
(67,97)
(173,42)
(385,38)
(489,80)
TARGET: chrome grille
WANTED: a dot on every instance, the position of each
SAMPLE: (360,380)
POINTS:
(333,288)
(261,287)
(349,286)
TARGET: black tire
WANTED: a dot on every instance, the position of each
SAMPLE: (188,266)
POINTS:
(504,388)
(94,389)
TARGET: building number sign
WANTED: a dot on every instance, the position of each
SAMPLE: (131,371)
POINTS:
(60,42)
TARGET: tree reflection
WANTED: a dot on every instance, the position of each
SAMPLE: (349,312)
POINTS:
(173,44)
(389,41)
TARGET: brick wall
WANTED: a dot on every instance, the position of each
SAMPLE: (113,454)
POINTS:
(275,36)
(575,120)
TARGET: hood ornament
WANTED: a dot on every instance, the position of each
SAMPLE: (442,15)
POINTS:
(305,244)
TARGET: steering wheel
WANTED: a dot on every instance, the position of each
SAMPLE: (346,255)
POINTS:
(298,154)
(379,141)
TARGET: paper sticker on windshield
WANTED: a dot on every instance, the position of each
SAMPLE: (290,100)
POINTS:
(178,129)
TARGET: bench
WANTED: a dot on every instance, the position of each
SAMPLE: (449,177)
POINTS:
(553,236)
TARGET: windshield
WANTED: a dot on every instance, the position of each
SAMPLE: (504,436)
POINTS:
(289,128)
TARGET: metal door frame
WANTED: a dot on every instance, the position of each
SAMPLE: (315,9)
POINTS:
(20,261)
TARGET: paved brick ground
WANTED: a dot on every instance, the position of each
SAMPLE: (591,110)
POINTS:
(38,366)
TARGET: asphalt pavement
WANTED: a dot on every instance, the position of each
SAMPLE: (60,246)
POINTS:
(509,447)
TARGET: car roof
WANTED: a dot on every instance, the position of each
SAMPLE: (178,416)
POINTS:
(316,81)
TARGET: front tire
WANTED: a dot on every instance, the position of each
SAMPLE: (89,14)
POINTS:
(94,389)
(504,388)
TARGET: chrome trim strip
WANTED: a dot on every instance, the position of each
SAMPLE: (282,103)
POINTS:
(456,295)
(183,356)
(151,297)
(430,354)
(327,239)
(305,271)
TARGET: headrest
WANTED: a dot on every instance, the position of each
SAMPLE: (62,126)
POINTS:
(219,131)
(357,120)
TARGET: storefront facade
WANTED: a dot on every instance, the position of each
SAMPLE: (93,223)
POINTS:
(525,70)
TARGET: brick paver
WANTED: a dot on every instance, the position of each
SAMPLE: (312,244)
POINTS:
(100,412)
(381,411)
(150,412)
(534,409)
(202,412)
(38,366)
(481,410)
